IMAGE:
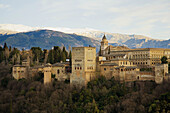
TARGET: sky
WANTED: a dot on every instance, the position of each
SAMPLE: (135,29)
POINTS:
(143,17)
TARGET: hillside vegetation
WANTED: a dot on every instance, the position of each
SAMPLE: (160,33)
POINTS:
(46,39)
(100,96)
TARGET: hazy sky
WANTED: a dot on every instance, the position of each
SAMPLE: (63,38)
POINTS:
(145,17)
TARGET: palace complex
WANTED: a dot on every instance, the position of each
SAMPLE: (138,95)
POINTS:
(120,62)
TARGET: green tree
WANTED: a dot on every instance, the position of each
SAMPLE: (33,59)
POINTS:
(57,54)
(5,45)
(164,60)
(37,53)
(100,52)
(63,57)
(161,105)
(70,58)
(51,57)
(65,52)
(1,54)
(45,56)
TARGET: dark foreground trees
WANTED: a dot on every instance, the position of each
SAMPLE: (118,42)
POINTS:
(100,95)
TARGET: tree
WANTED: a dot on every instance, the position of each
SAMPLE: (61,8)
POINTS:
(5,45)
(63,57)
(57,54)
(51,57)
(6,52)
(70,58)
(164,60)
(1,54)
(100,52)
(37,53)
(45,55)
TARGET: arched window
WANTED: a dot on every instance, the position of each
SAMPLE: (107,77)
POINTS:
(58,71)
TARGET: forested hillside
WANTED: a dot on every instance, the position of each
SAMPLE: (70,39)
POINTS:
(101,95)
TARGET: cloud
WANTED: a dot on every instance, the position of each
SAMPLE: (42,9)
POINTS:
(2,6)
(122,16)
(146,18)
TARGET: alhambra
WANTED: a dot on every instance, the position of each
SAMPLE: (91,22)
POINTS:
(120,62)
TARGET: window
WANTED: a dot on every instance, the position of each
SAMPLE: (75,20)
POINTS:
(58,71)
(78,60)
(90,60)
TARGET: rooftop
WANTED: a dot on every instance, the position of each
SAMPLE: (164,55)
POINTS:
(126,67)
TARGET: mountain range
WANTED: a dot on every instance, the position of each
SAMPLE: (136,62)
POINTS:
(73,37)
(46,39)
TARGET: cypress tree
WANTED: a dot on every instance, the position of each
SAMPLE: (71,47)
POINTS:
(70,58)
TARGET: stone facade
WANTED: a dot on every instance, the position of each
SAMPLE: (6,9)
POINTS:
(120,62)
(124,64)
(47,73)
(61,71)
(141,56)
(83,65)
(20,72)
(160,72)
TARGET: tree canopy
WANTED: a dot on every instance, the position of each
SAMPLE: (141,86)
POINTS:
(164,60)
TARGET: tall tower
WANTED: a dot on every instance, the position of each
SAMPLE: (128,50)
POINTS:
(104,45)
(83,65)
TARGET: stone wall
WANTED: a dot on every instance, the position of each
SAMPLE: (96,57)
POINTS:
(83,65)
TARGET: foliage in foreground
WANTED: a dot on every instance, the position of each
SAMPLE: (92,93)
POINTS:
(100,95)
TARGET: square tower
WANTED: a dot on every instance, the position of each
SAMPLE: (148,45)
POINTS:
(83,65)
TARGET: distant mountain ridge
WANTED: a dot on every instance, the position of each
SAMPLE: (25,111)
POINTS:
(116,39)
(46,39)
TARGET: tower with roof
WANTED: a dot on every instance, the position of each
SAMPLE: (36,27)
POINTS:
(104,45)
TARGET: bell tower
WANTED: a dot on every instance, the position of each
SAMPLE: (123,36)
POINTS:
(104,45)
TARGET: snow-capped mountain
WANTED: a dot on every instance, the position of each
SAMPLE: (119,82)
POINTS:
(23,28)
(132,41)
(88,32)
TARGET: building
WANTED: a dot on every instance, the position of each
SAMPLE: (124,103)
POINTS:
(83,65)
(19,71)
(143,57)
(61,71)
(124,64)
(120,62)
